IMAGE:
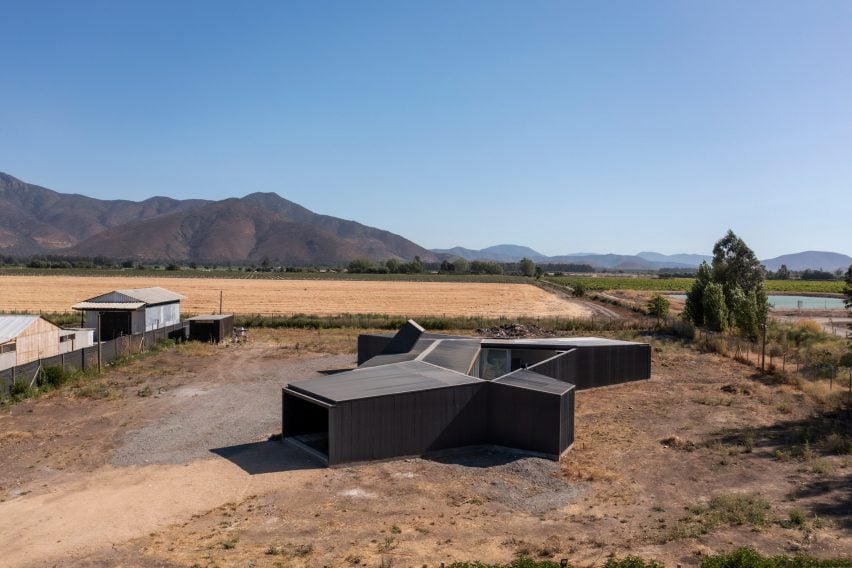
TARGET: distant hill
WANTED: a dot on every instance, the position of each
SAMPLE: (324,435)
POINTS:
(36,220)
(646,260)
(813,259)
(499,253)
(514,253)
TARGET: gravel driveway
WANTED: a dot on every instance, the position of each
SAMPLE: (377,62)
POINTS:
(212,416)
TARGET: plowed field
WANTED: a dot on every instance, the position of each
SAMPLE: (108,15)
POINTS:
(285,297)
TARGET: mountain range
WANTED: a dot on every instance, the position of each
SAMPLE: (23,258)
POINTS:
(36,220)
(814,260)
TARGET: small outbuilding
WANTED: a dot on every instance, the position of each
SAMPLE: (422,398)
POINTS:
(24,339)
(125,312)
(214,328)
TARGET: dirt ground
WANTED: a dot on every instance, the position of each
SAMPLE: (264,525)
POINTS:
(34,294)
(167,461)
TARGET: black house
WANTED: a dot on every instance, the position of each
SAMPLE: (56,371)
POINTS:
(417,393)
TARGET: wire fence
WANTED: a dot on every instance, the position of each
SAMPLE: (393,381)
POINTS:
(88,358)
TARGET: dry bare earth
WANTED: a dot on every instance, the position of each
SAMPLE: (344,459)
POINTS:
(320,297)
(130,480)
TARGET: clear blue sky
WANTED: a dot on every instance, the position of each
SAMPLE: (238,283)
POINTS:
(565,126)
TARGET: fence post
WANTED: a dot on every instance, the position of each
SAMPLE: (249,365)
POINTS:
(100,342)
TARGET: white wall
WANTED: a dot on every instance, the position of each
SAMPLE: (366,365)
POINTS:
(81,338)
(161,316)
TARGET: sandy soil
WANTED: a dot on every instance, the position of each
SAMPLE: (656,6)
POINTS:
(321,297)
(168,464)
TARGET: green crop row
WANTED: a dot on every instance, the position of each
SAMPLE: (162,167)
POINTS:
(602,283)
(805,286)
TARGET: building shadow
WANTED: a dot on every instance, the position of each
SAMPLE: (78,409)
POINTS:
(335,371)
(481,456)
(269,456)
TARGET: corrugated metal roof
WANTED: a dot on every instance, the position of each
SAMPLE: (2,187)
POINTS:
(411,376)
(108,306)
(12,326)
(149,296)
(524,378)
(211,317)
(154,295)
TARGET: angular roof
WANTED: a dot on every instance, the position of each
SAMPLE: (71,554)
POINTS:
(396,378)
(456,354)
(526,379)
(129,299)
(12,326)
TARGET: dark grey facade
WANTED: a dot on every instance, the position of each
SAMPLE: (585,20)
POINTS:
(447,392)
(211,328)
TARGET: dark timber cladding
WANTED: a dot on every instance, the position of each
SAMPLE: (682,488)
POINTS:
(521,403)
(211,328)
(400,409)
(417,393)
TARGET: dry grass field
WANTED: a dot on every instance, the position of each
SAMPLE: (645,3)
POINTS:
(317,297)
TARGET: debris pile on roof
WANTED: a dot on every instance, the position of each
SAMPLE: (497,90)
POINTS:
(514,330)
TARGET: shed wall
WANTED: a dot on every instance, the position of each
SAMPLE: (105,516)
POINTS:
(216,330)
(164,315)
(38,341)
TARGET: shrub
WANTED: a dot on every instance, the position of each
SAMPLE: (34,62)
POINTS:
(838,443)
(54,376)
(632,562)
(748,557)
(20,391)
(523,562)
(722,510)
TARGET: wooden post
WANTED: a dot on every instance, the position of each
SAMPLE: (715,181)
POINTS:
(220,302)
(763,349)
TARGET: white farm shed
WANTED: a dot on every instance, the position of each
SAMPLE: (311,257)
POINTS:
(125,312)
(24,339)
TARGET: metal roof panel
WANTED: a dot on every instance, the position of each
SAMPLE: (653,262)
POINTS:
(108,306)
(153,295)
(397,378)
(524,378)
(455,354)
(12,326)
(150,296)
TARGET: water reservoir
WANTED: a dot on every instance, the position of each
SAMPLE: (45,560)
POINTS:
(794,302)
